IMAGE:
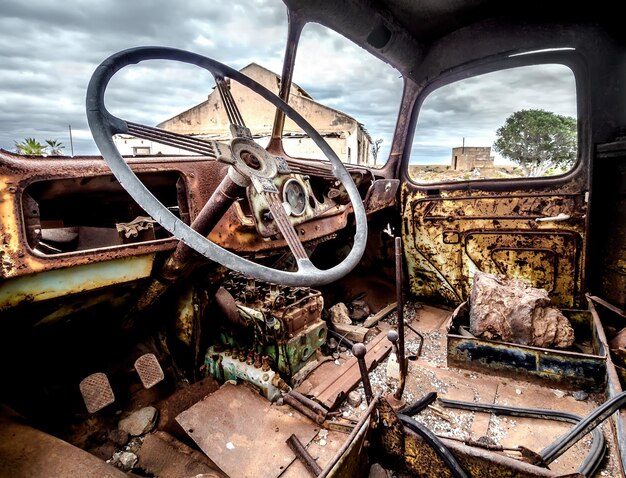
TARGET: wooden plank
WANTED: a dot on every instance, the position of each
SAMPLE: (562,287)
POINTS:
(381,314)
(353,332)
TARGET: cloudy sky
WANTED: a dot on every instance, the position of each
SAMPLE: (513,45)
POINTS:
(49,49)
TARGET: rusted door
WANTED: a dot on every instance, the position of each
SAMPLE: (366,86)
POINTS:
(498,180)
(531,229)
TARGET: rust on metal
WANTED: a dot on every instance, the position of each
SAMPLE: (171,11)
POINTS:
(400,301)
(50,284)
(161,454)
(422,460)
(28,452)
(390,430)
(96,391)
(568,369)
(359,351)
(381,195)
(17,173)
(449,233)
(336,385)
(338,463)
(149,370)
(304,409)
(226,426)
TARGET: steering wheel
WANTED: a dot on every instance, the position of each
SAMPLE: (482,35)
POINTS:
(250,166)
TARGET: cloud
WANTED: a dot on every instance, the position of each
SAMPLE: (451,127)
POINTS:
(474,108)
(49,49)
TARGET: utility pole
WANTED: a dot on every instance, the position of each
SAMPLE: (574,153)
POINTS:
(71,142)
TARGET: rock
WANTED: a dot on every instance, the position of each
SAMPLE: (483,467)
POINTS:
(484,439)
(559,393)
(512,311)
(393,367)
(119,437)
(354,398)
(377,471)
(140,422)
(339,314)
(580,395)
(359,310)
(124,460)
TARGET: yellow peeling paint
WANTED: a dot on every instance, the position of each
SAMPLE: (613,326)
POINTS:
(56,283)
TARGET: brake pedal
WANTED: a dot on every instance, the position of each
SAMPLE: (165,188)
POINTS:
(149,370)
(96,391)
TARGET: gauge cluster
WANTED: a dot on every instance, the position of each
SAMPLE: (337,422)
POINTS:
(299,198)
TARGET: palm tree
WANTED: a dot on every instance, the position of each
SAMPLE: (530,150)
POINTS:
(30,146)
(54,147)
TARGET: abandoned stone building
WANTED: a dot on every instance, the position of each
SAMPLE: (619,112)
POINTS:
(468,158)
(208,120)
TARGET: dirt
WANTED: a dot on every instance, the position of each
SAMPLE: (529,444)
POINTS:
(429,372)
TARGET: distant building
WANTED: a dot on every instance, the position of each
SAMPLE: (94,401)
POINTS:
(208,120)
(467,158)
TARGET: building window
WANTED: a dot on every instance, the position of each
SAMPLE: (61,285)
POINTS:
(141,150)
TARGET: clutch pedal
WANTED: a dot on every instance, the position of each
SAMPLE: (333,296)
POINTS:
(149,370)
(96,391)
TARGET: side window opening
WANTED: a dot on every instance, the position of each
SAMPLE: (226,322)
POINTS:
(514,123)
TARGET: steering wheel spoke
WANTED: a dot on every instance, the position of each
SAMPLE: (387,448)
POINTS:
(284,225)
(212,149)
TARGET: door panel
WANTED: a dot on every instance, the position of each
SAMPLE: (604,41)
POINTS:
(449,234)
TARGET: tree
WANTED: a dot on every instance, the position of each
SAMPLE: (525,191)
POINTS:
(376,149)
(538,140)
(54,147)
(30,146)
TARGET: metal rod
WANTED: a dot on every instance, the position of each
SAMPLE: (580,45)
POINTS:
(607,305)
(223,197)
(302,408)
(303,455)
(71,140)
(359,351)
(400,301)
(362,421)
(596,451)
(295,25)
(312,404)
(419,349)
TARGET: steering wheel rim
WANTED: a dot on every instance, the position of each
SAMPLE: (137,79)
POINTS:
(104,126)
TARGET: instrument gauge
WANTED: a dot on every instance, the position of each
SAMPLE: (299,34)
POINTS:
(296,196)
